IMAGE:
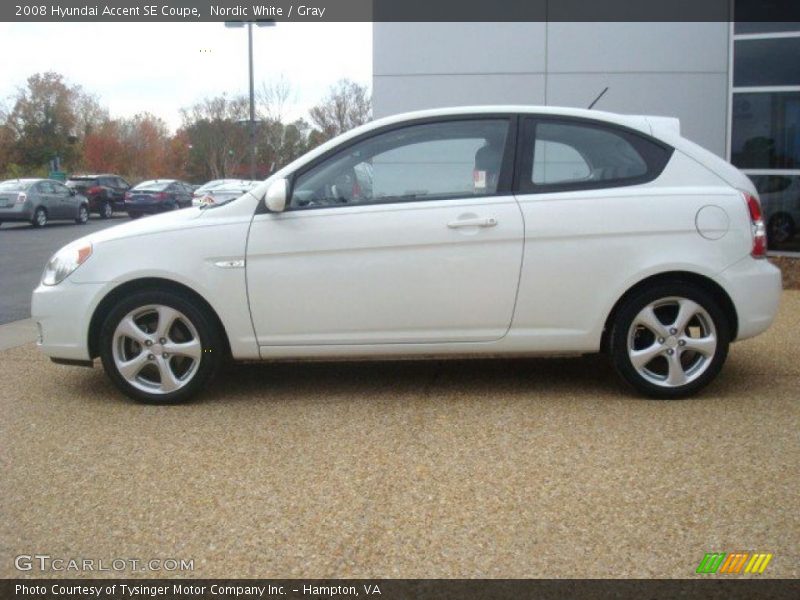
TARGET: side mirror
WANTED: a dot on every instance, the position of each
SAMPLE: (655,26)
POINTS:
(72,191)
(276,195)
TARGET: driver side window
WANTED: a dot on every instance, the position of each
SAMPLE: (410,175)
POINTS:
(432,161)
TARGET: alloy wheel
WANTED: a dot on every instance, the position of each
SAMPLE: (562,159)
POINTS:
(672,341)
(156,349)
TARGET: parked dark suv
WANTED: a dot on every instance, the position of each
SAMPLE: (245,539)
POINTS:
(106,193)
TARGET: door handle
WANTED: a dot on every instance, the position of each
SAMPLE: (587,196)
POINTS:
(479,222)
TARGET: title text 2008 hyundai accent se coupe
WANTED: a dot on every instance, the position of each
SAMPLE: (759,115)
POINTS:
(499,230)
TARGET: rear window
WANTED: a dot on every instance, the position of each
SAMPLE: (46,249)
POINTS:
(153,186)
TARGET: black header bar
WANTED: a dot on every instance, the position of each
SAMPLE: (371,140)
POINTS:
(398,10)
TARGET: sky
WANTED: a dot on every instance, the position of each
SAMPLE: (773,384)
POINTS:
(161,67)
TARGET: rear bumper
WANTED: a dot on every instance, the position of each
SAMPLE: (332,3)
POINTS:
(148,208)
(754,286)
(19,214)
(62,314)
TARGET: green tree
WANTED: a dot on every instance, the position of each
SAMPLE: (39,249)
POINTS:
(48,118)
(216,130)
(347,105)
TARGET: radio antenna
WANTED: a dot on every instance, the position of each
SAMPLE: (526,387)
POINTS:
(598,98)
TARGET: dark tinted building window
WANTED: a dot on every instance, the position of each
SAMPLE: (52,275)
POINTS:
(749,27)
(767,62)
(766,130)
(766,16)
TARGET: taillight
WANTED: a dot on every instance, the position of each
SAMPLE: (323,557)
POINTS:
(96,189)
(757,227)
(160,196)
(21,197)
(128,195)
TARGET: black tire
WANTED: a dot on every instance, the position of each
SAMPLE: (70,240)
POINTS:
(39,217)
(83,215)
(106,210)
(621,335)
(134,215)
(214,351)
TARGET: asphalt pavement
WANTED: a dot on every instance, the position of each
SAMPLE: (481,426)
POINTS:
(24,251)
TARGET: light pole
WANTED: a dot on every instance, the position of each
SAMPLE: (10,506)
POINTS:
(263,23)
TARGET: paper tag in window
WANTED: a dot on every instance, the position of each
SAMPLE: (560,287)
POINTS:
(479,179)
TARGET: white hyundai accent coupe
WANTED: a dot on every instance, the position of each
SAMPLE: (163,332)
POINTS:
(503,230)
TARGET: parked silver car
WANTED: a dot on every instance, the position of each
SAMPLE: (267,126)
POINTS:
(39,201)
(226,191)
(202,191)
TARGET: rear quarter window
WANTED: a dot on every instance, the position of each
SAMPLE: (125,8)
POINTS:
(573,154)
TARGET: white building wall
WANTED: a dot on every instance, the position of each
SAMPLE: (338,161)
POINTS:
(673,69)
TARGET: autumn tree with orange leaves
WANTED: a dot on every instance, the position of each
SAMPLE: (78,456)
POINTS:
(50,117)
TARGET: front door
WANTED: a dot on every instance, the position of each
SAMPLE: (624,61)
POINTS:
(408,236)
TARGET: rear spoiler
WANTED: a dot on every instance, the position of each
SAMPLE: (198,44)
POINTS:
(670,124)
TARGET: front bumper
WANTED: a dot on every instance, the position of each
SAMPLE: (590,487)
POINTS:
(62,314)
(754,286)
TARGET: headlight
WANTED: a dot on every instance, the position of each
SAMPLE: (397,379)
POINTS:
(65,261)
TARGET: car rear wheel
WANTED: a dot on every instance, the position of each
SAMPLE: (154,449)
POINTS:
(83,215)
(39,217)
(669,341)
(106,210)
(159,348)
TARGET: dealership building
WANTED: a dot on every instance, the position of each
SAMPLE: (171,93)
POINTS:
(734,86)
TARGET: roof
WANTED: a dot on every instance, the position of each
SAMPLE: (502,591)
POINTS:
(91,175)
(634,121)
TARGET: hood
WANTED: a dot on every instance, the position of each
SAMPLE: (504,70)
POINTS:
(178,219)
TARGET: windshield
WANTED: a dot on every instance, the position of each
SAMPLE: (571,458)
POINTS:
(152,186)
(15,185)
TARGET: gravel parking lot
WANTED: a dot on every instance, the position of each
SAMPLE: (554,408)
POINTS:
(509,468)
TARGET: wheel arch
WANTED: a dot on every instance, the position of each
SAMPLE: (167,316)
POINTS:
(701,281)
(148,283)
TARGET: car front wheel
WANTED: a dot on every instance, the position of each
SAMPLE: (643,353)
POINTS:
(106,210)
(158,347)
(669,341)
